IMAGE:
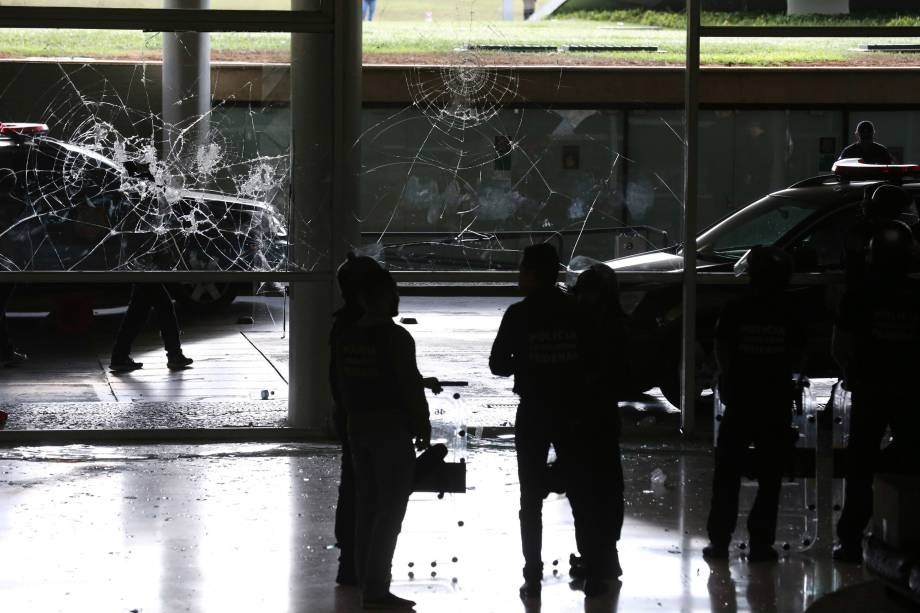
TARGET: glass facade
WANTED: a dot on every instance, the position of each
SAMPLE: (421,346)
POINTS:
(592,179)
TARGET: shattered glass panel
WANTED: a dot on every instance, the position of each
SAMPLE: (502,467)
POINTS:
(116,168)
(453,184)
(481,147)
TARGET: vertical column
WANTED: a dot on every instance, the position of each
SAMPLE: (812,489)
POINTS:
(688,390)
(325,116)
(186,89)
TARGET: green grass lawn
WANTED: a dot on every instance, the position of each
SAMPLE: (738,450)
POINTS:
(384,39)
(398,37)
(387,10)
(677,20)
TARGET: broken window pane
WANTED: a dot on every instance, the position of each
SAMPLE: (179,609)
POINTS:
(109,166)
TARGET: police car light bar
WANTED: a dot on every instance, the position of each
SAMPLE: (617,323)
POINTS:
(23,128)
(854,168)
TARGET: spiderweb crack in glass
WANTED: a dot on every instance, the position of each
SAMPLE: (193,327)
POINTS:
(464,94)
(95,193)
(469,173)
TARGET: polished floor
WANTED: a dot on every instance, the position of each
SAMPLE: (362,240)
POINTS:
(249,528)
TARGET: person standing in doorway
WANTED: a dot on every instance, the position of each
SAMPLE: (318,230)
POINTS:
(538,344)
(146,297)
(760,343)
(865,148)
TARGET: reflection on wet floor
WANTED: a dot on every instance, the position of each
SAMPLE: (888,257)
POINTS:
(241,356)
(249,527)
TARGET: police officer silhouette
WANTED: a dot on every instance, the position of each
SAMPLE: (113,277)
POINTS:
(759,345)
(596,479)
(865,148)
(383,394)
(349,276)
(537,343)
(877,344)
(886,203)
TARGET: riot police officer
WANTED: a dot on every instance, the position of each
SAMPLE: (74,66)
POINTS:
(886,203)
(383,394)
(877,344)
(759,345)
(596,476)
(349,276)
(537,343)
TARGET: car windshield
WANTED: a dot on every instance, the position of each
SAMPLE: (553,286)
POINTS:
(761,223)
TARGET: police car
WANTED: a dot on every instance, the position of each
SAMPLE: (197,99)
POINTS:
(810,220)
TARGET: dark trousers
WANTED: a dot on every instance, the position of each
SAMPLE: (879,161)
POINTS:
(596,489)
(772,440)
(384,467)
(345,508)
(144,298)
(873,412)
(534,432)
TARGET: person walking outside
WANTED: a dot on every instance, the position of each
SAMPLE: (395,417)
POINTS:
(146,297)
(368,9)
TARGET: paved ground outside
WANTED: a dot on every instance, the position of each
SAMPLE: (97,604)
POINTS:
(66,383)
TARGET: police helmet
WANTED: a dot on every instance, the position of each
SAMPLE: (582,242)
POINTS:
(887,202)
(769,267)
(890,247)
(350,273)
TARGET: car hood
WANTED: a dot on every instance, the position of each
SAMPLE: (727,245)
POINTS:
(665,260)
(192,194)
(655,261)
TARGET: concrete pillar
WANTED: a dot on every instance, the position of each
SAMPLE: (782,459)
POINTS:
(325,116)
(818,7)
(186,88)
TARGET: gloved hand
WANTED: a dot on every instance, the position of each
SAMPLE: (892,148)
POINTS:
(433,384)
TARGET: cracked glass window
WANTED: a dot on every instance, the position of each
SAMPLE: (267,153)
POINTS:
(111,162)
(485,142)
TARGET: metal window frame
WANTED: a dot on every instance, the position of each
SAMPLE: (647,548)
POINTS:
(319,21)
